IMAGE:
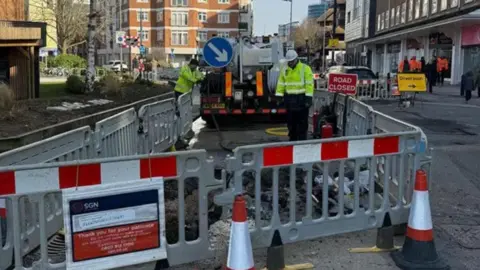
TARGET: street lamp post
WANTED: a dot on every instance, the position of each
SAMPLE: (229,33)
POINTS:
(290,27)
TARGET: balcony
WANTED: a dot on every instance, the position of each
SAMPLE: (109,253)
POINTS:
(244,9)
(243,26)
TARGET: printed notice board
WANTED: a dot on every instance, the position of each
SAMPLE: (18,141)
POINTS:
(114,225)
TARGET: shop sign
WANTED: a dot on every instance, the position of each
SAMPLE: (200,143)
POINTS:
(471,35)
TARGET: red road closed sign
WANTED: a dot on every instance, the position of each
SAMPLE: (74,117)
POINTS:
(342,83)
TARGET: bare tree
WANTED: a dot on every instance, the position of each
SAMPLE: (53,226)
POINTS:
(309,29)
(68,17)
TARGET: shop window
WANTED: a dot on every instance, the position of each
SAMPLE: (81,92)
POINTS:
(443,5)
(417,9)
(434,6)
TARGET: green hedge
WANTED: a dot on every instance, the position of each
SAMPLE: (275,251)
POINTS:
(67,61)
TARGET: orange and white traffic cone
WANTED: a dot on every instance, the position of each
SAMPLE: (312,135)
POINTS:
(240,254)
(418,251)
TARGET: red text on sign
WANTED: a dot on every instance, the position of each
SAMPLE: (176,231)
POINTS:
(115,240)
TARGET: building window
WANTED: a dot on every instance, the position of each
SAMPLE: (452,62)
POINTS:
(159,15)
(223,17)
(223,34)
(417,9)
(160,35)
(142,16)
(434,6)
(397,15)
(454,3)
(383,20)
(202,1)
(142,1)
(224,1)
(404,12)
(379,21)
(179,19)
(348,17)
(392,17)
(425,8)
(179,3)
(410,10)
(143,35)
(202,35)
(125,16)
(443,5)
(202,16)
(180,38)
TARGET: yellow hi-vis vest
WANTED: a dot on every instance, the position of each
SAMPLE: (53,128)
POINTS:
(295,81)
(187,78)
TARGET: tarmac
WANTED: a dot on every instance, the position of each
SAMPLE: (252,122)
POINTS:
(452,128)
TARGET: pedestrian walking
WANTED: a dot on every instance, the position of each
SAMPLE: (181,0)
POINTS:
(431,74)
(404,66)
(295,85)
(477,81)
(467,85)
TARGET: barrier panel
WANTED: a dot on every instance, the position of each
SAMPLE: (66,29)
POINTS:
(185,107)
(288,163)
(158,126)
(178,170)
(117,135)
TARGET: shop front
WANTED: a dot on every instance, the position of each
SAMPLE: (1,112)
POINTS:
(393,56)
(471,48)
(442,46)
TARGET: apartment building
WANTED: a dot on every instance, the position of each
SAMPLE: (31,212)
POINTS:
(356,30)
(174,30)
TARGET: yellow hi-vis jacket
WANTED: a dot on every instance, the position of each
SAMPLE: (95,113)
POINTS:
(297,81)
(187,78)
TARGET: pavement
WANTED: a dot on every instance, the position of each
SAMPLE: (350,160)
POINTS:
(452,128)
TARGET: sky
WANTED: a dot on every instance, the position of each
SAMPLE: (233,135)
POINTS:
(268,14)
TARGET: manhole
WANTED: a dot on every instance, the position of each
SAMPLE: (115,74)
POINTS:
(465,235)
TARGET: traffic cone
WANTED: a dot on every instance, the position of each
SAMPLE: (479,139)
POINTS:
(240,254)
(418,251)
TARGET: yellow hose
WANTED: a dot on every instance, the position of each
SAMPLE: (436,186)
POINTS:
(278,131)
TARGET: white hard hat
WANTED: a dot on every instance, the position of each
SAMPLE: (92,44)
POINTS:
(291,55)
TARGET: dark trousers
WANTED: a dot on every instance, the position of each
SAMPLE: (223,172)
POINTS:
(441,76)
(297,123)
(430,86)
(177,94)
(468,95)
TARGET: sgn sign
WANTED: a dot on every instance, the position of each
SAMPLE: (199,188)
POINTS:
(342,83)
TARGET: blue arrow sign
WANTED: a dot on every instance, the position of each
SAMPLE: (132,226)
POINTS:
(217,52)
(142,49)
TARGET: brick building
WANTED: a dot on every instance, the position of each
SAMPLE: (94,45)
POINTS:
(180,27)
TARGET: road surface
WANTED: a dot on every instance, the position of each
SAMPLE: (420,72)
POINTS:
(452,128)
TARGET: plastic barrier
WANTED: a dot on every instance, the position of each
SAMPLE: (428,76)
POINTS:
(38,180)
(371,166)
(158,126)
(117,135)
(376,90)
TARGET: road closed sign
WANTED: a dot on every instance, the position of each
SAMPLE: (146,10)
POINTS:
(342,83)
(113,225)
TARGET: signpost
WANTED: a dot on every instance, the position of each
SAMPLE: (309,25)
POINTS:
(119,37)
(412,82)
(218,52)
(110,225)
(342,83)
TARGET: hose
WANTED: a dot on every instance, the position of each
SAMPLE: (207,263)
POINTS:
(279,131)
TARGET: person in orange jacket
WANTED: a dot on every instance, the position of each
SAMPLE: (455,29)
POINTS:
(439,68)
(404,65)
(442,67)
(414,64)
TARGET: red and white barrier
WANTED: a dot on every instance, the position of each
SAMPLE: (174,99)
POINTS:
(306,153)
(240,254)
(3,208)
(61,177)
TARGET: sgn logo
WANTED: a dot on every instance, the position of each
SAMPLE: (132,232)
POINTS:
(90,206)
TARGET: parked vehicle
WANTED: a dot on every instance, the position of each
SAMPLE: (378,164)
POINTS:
(115,65)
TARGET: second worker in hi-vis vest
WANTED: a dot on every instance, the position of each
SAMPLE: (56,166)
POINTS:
(295,85)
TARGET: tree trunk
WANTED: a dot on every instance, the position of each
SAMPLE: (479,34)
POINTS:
(90,74)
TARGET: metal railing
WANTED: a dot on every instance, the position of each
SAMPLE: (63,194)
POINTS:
(369,166)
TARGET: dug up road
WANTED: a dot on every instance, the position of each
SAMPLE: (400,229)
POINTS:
(452,128)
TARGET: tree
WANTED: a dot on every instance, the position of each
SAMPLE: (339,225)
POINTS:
(309,29)
(68,18)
